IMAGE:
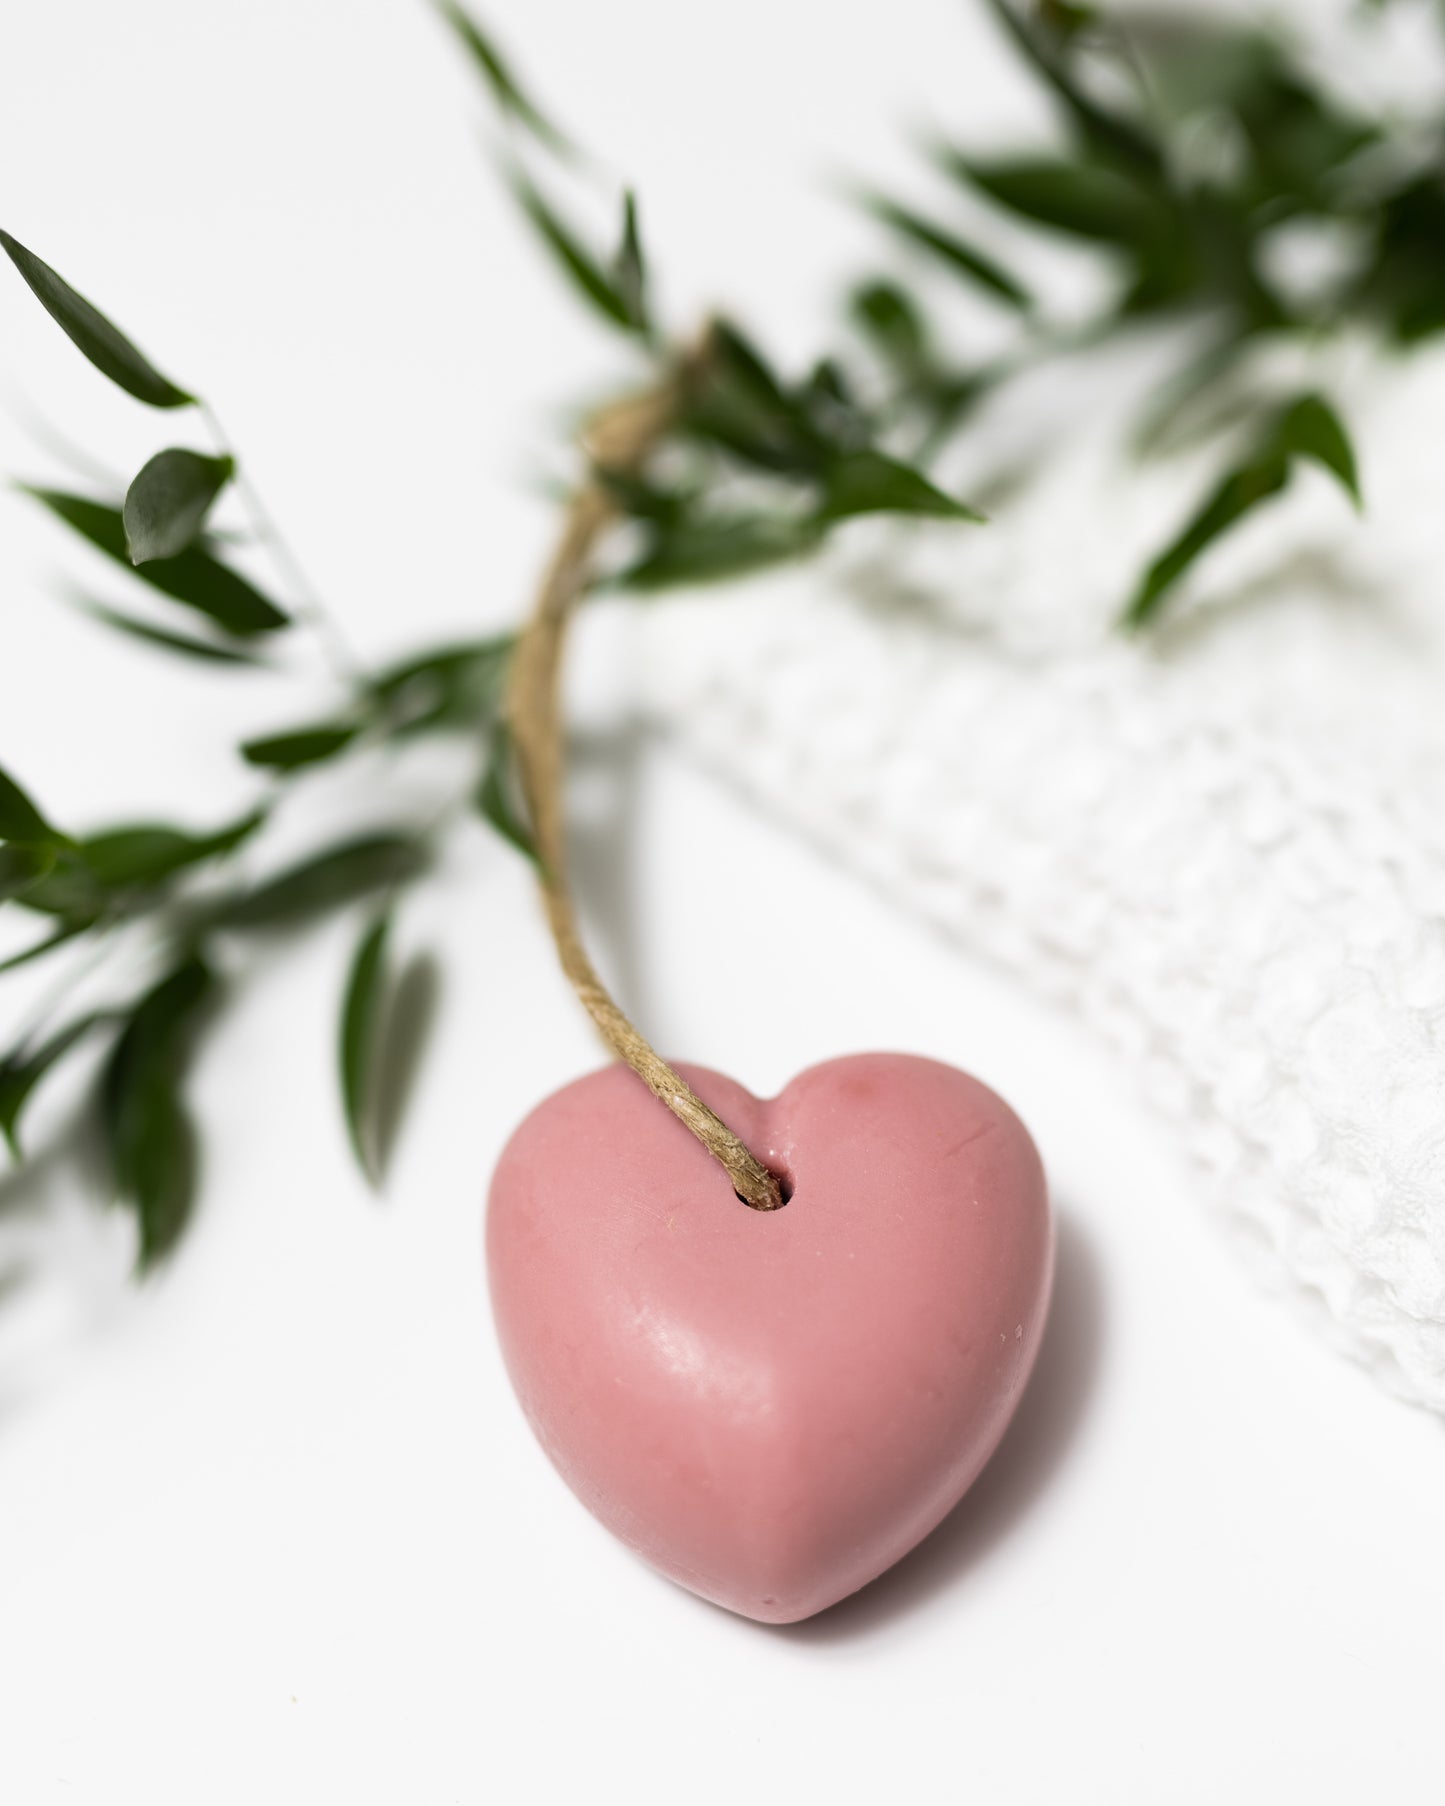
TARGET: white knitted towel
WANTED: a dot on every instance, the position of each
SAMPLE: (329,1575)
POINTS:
(1224,849)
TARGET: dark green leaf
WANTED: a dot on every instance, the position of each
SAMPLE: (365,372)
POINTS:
(69,891)
(867,482)
(590,279)
(1087,200)
(148,1133)
(149,854)
(91,333)
(1404,283)
(629,268)
(167,503)
(1239,493)
(891,320)
(499,795)
(1297,141)
(110,874)
(837,417)
(457,687)
(947,398)
(709,550)
(22,1071)
(828,387)
(1066,20)
(19,818)
(952,250)
(732,355)
(21,866)
(645,500)
(1045,48)
(1194,64)
(304,746)
(443,661)
(337,876)
(1312,429)
(360,1021)
(739,404)
(194,578)
(207,651)
(1307,428)
(508,96)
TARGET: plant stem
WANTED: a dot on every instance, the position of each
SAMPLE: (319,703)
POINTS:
(621,438)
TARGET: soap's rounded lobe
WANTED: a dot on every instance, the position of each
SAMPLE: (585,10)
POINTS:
(772,1407)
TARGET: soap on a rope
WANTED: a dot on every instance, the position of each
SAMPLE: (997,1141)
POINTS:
(772,1407)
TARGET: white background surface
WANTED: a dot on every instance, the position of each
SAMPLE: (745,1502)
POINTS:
(271,1527)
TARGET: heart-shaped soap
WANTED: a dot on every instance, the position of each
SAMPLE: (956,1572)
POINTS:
(772,1407)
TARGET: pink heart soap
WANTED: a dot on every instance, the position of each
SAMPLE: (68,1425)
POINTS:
(772,1407)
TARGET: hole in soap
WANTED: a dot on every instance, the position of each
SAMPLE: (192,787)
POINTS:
(785,1187)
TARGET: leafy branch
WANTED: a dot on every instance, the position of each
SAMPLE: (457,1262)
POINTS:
(756,466)
(1189,148)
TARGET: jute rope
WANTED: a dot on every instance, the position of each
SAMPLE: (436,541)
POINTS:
(619,439)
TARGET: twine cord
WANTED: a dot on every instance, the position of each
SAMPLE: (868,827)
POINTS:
(619,439)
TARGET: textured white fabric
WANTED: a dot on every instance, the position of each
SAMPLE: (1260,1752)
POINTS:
(1224,848)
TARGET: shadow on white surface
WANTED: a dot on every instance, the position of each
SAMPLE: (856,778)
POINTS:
(66,1268)
(603,810)
(406,1032)
(1035,1447)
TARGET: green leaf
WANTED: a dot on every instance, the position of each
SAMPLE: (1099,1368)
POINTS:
(148,1132)
(193,578)
(836,416)
(360,1021)
(1193,65)
(455,687)
(109,874)
(339,875)
(709,550)
(167,503)
(22,1071)
(69,891)
(1404,283)
(22,866)
(739,405)
(867,482)
(952,250)
(209,652)
(499,795)
(443,661)
(19,818)
(643,499)
(1311,428)
(91,333)
(1241,491)
(303,746)
(629,267)
(1046,51)
(1307,428)
(1086,200)
(123,858)
(888,316)
(498,77)
(1064,19)
(590,279)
